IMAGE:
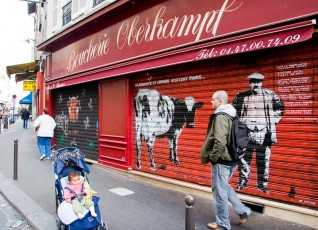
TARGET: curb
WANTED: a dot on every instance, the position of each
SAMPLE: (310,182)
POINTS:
(35,216)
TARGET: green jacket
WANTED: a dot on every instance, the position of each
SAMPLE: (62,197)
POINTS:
(218,136)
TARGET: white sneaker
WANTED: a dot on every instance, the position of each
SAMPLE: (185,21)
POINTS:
(92,210)
(42,157)
(93,214)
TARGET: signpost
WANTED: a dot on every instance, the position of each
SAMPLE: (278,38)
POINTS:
(14,97)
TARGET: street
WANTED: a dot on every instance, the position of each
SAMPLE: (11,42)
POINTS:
(125,203)
(9,218)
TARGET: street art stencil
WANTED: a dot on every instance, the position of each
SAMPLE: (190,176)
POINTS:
(86,123)
(74,105)
(261,110)
(76,115)
(90,104)
(159,116)
(62,122)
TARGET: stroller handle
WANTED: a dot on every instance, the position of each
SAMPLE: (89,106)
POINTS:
(53,147)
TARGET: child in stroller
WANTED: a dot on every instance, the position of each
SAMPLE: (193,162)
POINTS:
(78,195)
(65,161)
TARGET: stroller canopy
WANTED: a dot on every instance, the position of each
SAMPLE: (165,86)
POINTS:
(69,156)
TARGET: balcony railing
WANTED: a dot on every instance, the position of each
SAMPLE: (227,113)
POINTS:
(67,13)
(96,2)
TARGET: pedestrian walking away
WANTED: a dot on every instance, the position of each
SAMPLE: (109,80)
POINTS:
(44,126)
(25,115)
(215,150)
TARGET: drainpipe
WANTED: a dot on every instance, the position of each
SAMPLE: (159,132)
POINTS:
(41,89)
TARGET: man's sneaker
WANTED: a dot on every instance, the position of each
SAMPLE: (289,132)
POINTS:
(42,157)
(48,158)
(215,226)
(243,218)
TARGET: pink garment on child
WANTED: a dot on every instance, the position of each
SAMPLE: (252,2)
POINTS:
(77,188)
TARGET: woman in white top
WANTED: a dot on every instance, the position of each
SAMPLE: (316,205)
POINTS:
(45,126)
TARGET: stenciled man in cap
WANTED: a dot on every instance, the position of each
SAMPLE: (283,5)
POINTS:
(261,110)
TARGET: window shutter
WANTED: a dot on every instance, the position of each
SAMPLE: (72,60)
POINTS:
(78,7)
(55,14)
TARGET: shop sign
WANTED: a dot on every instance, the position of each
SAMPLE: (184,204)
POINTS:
(171,25)
(29,86)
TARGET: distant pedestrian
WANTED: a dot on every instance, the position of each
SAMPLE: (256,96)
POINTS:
(25,115)
(44,126)
(1,121)
(215,151)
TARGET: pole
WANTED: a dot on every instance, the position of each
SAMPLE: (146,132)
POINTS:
(15,160)
(189,213)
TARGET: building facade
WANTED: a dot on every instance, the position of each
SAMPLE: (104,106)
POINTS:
(130,82)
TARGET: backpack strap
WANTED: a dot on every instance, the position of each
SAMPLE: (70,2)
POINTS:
(79,197)
(229,138)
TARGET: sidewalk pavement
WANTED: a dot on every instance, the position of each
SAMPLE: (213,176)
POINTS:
(126,203)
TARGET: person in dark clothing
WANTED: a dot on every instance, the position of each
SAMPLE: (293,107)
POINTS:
(25,115)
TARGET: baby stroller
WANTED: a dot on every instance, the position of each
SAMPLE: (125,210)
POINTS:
(64,161)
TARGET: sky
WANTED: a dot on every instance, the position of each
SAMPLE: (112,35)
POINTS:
(16,26)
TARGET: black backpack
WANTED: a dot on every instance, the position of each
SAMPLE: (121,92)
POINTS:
(239,138)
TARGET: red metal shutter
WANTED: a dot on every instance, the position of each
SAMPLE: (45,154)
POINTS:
(289,71)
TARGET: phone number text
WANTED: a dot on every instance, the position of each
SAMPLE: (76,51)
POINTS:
(240,47)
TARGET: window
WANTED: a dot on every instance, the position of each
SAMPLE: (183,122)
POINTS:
(105,2)
(67,13)
(96,2)
(78,7)
(55,14)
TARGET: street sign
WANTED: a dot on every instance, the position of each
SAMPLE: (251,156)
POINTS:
(29,86)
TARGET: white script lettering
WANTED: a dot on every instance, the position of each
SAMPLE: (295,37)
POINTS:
(187,25)
(94,50)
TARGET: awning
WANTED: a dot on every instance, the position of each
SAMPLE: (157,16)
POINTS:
(26,100)
(24,71)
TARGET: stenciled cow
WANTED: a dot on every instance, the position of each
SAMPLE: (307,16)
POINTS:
(160,116)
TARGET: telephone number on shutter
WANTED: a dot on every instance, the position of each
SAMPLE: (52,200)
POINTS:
(245,47)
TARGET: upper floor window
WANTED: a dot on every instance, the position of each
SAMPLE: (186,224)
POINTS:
(79,7)
(55,12)
(67,13)
(96,2)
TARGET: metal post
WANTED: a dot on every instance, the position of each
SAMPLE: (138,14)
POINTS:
(189,213)
(15,160)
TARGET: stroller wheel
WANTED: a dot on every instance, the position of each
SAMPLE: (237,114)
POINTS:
(59,225)
(102,226)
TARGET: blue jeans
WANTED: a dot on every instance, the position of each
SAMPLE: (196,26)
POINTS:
(44,145)
(25,123)
(223,192)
